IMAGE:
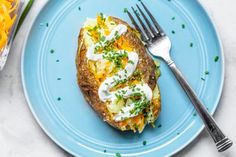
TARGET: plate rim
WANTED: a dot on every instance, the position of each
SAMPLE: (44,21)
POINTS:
(29,104)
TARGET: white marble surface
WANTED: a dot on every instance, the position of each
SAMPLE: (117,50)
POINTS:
(21,136)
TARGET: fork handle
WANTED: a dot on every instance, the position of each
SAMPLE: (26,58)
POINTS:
(221,141)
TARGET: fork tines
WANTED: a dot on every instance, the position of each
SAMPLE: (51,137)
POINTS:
(149,31)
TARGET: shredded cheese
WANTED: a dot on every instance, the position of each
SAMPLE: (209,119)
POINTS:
(7,19)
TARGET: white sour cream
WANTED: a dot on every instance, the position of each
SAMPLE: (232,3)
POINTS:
(104,89)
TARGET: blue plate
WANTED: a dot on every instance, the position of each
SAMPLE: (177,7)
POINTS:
(49,78)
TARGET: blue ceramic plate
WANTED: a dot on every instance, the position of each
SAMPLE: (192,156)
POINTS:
(49,78)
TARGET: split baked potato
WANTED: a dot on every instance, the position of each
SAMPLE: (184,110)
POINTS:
(116,75)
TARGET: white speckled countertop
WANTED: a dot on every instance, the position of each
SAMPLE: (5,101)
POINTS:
(21,136)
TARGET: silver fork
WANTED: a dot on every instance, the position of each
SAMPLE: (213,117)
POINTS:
(159,45)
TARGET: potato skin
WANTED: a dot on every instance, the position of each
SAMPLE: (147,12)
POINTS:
(89,86)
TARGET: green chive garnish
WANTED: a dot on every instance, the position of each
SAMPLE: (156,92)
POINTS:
(191,44)
(118,155)
(52,51)
(144,143)
(207,72)
(216,58)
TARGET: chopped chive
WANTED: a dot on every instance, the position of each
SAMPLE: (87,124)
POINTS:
(58,79)
(58,99)
(191,44)
(103,38)
(131,62)
(159,126)
(144,143)
(195,114)
(173,18)
(178,133)
(216,58)
(57,60)
(125,10)
(105,151)
(47,24)
(52,51)
(183,26)
(173,32)
(79,8)
(207,72)
(118,155)
(202,79)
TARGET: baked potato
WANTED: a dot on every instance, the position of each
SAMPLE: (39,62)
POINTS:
(116,75)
